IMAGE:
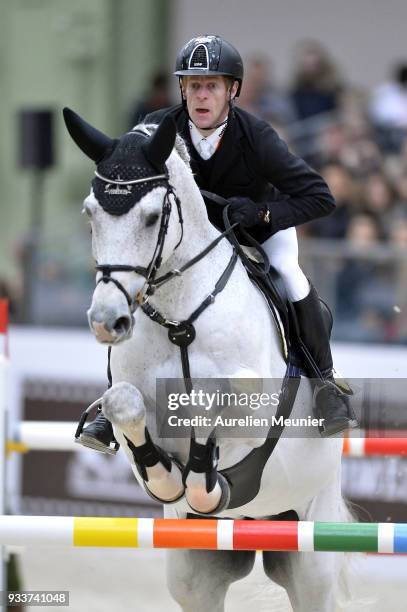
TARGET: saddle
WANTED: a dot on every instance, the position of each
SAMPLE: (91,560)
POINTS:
(274,292)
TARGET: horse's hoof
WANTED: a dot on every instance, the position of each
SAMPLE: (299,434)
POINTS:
(123,405)
(224,498)
(167,502)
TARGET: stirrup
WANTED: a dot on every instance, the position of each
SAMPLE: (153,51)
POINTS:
(88,441)
(342,427)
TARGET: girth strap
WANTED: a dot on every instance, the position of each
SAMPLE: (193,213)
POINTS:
(244,477)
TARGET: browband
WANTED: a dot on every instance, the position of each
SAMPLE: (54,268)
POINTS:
(125,182)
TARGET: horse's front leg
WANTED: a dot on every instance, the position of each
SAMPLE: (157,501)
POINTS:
(124,406)
(206,490)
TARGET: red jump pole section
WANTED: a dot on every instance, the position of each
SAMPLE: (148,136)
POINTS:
(4,326)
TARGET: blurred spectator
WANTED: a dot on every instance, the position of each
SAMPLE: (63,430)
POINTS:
(349,144)
(365,291)
(332,140)
(400,186)
(378,198)
(157,96)
(388,105)
(388,110)
(403,151)
(261,97)
(335,225)
(362,156)
(398,238)
(398,235)
(317,87)
(363,231)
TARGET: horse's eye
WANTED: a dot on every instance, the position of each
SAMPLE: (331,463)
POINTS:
(152,220)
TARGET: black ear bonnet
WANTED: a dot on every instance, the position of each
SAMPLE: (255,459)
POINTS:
(120,162)
(127,162)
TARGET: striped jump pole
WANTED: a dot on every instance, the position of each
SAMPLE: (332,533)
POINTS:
(208,534)
(59,436)
(44,436)
(372,446)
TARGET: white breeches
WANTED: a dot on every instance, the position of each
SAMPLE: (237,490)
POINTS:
(282,250)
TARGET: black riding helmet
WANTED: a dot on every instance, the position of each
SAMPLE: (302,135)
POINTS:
(210,56)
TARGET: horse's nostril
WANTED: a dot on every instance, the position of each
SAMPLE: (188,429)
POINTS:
(122,325)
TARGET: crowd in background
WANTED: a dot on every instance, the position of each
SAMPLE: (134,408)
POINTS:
(358,141)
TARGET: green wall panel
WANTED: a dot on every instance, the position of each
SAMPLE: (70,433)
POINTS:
(91,55)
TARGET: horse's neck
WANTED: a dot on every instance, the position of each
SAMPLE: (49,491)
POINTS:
(198,281)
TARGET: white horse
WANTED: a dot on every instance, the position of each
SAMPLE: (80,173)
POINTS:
(235,337)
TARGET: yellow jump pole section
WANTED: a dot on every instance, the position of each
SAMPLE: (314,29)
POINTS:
(208,534)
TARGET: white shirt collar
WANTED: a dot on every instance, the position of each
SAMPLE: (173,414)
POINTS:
(206,145)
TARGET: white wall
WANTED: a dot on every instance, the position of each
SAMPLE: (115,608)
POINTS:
(365,36)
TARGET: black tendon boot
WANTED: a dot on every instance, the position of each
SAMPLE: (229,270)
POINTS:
(330,403)
(98,435)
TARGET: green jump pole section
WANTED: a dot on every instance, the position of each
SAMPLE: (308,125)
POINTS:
(347,537)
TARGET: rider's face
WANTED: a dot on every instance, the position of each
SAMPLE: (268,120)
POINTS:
(207,99)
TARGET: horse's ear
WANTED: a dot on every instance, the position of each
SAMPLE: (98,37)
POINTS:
(92,142)
(161,143)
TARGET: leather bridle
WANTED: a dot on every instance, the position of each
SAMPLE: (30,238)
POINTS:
(181,333)
(149,272)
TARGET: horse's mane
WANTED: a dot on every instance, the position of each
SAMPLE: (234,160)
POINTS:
(180,146)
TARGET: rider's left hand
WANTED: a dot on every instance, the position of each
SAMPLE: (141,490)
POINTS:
(248,213)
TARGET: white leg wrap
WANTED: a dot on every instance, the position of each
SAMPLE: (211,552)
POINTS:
(123,405)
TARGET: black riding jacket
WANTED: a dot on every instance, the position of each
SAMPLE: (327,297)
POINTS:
(252,161)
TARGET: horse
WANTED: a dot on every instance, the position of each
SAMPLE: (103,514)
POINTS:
(158,260)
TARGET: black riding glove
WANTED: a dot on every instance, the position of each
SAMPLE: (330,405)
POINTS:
(248,213)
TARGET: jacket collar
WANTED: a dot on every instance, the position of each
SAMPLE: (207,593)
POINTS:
(228,152)
(224,159)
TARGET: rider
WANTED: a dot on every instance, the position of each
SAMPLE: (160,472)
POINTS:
(241,158)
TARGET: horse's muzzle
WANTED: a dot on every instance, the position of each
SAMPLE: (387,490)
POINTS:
(110,328)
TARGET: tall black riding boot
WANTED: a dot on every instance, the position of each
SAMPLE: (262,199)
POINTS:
(99,435)
(330,403)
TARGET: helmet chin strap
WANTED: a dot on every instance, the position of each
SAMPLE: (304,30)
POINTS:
(212,127)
